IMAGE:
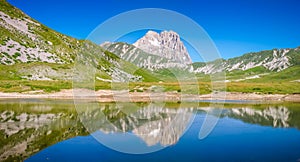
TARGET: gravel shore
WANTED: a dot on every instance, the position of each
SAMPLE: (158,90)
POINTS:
(125,96)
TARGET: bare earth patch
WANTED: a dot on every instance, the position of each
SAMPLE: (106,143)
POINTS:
(125,96)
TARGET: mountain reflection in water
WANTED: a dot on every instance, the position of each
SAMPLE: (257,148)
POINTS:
(28,126)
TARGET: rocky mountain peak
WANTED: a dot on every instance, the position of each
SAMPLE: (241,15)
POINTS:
(166,44)
(152,33)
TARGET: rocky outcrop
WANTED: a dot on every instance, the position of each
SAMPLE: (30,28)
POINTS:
(141,58)
(167,44)
(153,51)
(24,40)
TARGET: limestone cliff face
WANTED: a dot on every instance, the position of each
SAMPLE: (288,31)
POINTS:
(141,58)
(166,44)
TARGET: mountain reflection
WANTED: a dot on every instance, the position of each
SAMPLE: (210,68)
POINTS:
(28,127)
(273,116)
(153,124)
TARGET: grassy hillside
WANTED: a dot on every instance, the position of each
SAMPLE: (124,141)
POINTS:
(33,34)
(35,57)
(291,74)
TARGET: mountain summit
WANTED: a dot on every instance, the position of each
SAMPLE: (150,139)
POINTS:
(166,44)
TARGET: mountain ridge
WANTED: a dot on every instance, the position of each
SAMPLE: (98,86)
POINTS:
(141,58)
(273,60)
(165,44)
(151,56)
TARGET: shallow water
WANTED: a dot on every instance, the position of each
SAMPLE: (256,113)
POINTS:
(54,130)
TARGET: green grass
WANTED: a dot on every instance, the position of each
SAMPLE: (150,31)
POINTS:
(175,74)
(17,54)
(239,74)
(147,75)
(10,10)
(265,88)
(287,75)
(12,72)
(25,86)
(15,84)
(130,68)
(274,83)
(186,88)
(8,72)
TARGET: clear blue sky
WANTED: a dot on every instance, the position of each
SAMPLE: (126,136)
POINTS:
(236,26)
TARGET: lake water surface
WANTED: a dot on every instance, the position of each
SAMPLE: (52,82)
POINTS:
(54,130)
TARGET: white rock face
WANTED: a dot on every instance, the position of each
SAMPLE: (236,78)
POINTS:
(141,58)
(18,24)
(167,44)
(280,61)
(14,52)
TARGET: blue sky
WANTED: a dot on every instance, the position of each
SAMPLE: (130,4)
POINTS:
(236,26)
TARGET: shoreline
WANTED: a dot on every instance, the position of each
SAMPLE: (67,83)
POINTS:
(125,96)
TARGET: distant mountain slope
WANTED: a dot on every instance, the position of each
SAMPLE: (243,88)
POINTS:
(272,60)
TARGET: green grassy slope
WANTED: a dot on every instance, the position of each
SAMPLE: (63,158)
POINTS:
(35,74)
(291,74)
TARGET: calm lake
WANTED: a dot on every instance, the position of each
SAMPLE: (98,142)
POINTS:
(56,130)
